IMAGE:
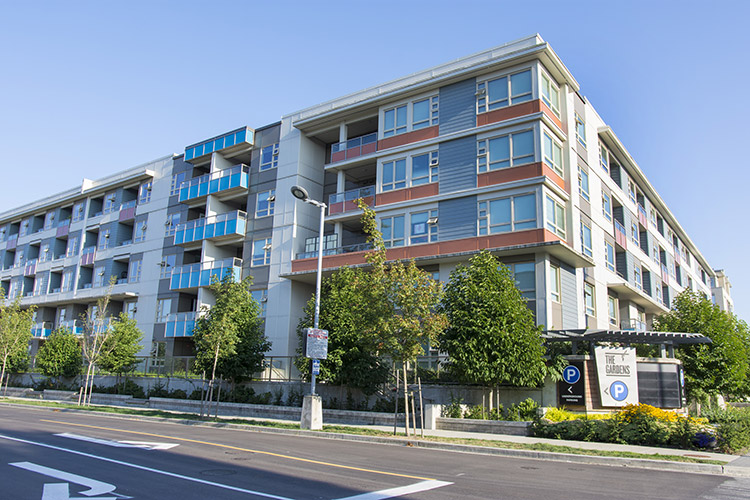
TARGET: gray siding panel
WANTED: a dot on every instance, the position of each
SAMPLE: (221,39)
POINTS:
(458,106)
(569,297)
(458,169)
(457,218)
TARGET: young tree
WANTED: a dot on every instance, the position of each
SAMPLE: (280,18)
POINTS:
(721,367)
(15,334)
(60,356)
(229,339)
(345,312)
(491,337)
(96,333)
(121,346)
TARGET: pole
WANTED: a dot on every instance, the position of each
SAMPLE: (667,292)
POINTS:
(316,321)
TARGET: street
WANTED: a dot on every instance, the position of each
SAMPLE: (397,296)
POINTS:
(53,455)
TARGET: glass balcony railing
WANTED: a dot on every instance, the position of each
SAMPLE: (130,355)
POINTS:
(359,247)
(633,324)
(41,330)
(216,226)
(223,180)
(621,237)
(243,135)
(88,255)
(180,325)
(353,148)
(74,326)
(202,273)
(344,202)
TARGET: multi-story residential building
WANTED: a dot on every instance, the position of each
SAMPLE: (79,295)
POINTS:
(498,151)
(720,291)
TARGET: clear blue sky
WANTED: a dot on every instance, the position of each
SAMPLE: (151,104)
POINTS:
(90,88)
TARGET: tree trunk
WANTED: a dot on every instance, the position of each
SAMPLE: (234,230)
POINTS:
(395,404)
(406,401)
(91,385)
(82,393)
(2,374)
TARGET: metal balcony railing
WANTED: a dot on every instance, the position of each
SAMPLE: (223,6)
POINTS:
(352,148)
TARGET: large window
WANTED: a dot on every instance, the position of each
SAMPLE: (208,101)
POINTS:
(586,240)
(506,151)
(554,283)
(607,206)
(507,214)
(632,191)
(78,211)
(393,231)
(170,226)
(583,183)
(424,227)
(262,252)
(424,168)
(394,121)
(134,273)
(635,236)
(411,116)
(177,180)
(588,299)
(411,171)
(425,113)
(394,175)
(163,308)
(140,231)
(603,157)
(269,157)
(104,239)
(109,203)
(555,217)
(504,91)
(580,130)
(266,203)
(609,255)
(612,310)
(167,265)
(551,94)
(49,220)
(99,276)
(144,192)
(638,276)
(525,277)
(553,154)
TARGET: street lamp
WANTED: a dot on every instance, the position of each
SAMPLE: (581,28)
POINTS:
(301,194)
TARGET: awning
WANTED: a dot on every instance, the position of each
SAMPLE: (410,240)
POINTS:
(627,336)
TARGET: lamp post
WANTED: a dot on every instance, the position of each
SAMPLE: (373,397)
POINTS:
(301,194)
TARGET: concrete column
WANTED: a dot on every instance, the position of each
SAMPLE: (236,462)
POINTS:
(662,351)
(340,181)
(338,228)
(343,132)
(312,413)
(431,413)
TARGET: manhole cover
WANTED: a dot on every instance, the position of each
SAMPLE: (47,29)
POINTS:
(218,472)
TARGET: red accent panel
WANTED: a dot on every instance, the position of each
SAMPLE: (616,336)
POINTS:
(338,156)
(518,173)
(498,115)
(643,219)
(407,194)
(353,152)
(127,214)
(409,137)
(551,115)
(336,208)
(621,239)
(63,230)
(369,148)
(11,244)
(88,258)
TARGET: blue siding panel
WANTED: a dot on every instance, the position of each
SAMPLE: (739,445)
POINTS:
(458,170)
(457,218)
(569,296)
(458,106)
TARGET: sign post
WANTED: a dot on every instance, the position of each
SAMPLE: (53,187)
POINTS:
(316,348)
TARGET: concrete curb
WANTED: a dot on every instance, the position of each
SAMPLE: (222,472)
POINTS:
(639,463)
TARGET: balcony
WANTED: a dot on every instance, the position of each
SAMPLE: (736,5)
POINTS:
(127,211)
(664,274)
(30,268)
(362,145)
(642,216)
(62,228)
(41,330)
(233,141)
(180,325)
(235,179)
(216,227)
(621,237)
(74,326)
(202,274)
(359,247)
(88,255)
(344,202)
(633,325)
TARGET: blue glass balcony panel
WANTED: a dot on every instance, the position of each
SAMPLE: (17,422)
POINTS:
(216,226)
(180,325)
(237,177)
(202,274)
(233,138)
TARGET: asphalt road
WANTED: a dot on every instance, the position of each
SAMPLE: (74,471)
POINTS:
(56,455)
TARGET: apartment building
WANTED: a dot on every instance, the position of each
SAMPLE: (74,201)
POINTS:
(720,291)
(499,150)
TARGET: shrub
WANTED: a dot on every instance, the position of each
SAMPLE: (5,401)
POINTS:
(475,412)
(454,409)
(524,411)
(177,394)
(158,390)
(733,428)
(496,413)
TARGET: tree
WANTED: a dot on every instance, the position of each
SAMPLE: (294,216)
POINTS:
(15,334)
(721,367)
(60,355)
(491,338)
(228,337)
(345,312)
(121,346)
(96,332)
(404,302)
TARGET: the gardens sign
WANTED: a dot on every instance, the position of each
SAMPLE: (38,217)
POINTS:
(617,375)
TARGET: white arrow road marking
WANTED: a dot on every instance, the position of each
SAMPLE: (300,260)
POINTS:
(95,487)
(61,491)
(400,491)
(120,444)
(144,468)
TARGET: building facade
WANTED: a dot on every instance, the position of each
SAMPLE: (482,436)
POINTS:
(498,151)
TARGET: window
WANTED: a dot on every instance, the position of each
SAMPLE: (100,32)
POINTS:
(506,151)
(551,94)
(19,258)
(609,255)
(634,234)
(265,203)
(330,242)
(269,157)
(505,91)
(583,183)
(586,240)
(2,233)
(580,130)
(638,276)
(525,278)
(393,231)
(262,252)
(144,192)
(40,285)
(104,239)
(555,217)
(394,175)
(554,283)
(130,308)
(394,121)
(49,220)
(109,203)
(659,296)
(607,206)
(656,253)
(163,308)
(72,248)
(166,265)
(177,180)
(425,113)
(652,216)
(134,272)
(631,191)
(553,154)
(424,168)
(140,231)
(261,297)
(424,227)
(78,211)
(603,157)
(67,281)
(170,226)
(612,310)
(99,274)
(507,214)
(588,299)
(44,254)
(24,228)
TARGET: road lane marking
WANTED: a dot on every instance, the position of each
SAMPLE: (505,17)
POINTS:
(95,487)
(119,444)
(400,491)
(147,469)
(260,452)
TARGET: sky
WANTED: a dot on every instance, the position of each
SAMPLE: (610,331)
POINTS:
(91,88)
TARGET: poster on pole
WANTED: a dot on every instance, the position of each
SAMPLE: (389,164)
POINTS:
(316,344)
(617,375)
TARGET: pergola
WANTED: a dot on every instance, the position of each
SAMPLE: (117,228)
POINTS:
(664,339)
